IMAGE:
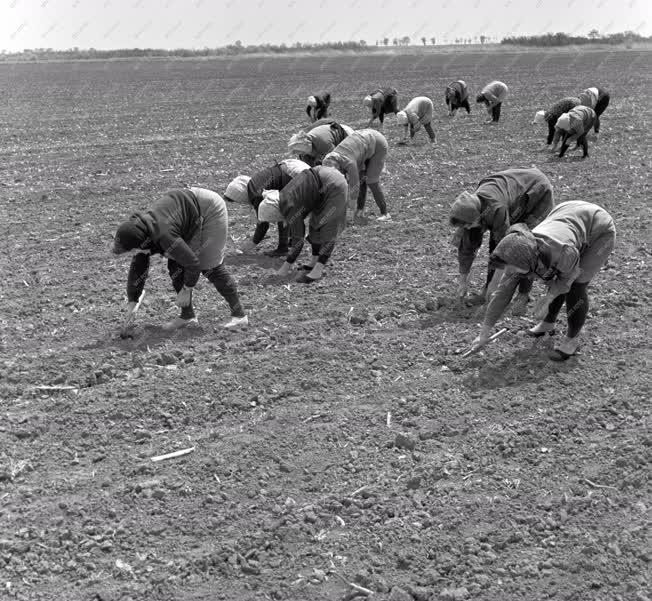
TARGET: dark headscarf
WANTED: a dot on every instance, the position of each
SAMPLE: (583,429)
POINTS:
(131,234)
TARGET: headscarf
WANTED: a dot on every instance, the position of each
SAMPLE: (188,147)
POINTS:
(131,234)
(466,208)
(519,248)
(312,101)
(539,117)
(300,143)
(564,122)
(294,166)
(268,210)
(368,101)
(402,118)
(236,191)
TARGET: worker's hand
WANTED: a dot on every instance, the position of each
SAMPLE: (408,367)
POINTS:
(482,339)
(284,269)
(463,286)
(129,320)
(184,297)
(247,246)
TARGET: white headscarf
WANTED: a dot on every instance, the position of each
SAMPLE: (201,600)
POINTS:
(564,122)
(300,143)
(540,117)
(367,101)
(294,166)
(402,118)
(237,190)
(312,101)
(268,210)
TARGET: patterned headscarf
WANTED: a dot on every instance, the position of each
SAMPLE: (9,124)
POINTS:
(402,118)
(466,208)
(519,248)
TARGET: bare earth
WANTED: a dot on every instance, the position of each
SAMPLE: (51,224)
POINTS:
(341,432)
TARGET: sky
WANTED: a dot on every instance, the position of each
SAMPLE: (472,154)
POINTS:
(107,24)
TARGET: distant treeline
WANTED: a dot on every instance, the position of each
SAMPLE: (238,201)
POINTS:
(563,39)
(230,50)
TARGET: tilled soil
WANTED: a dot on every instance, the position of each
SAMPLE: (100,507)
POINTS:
(341,438)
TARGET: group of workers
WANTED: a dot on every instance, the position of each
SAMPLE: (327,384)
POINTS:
(333,165)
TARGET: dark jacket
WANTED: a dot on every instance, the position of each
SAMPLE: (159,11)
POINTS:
(384,101)
(270,178)
(321,110)
(171,224)
(321,193)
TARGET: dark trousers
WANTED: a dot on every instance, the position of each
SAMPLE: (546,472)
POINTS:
(323,251)
(377,192)
(495,112)
(283,234)
(429,131)
(581,141)
(600,107)
(577,308)
(551,130)
(220,278)
(464,104)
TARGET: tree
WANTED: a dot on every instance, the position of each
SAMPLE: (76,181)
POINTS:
(594,34)
(395,41)
(483,39)
(238,44)
(433,40)
(423,40)
(363,43)
(405,40)
(385,41)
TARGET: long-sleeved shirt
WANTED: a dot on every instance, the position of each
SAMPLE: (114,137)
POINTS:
(352,153)
(320,111)
(456,93)
(384,101)
(419,112)
(508,197)
(172,223)
(570,230)
(582,119)
(275,177)
(495,93)
(320,192)
(325,138)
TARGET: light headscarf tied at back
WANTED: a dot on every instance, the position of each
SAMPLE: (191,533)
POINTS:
(300,143)
(236,191)
(564,122)
(367,101)
(402,118)
(518,248)
(269,210)
(539,117)
(312,101)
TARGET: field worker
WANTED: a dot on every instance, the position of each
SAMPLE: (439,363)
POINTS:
(361,157)
(318,106)
(492,96)
(380,103)
(574,126)
(551,115)
(566,250)
(418,112)
(500,200)
(457,97)
(598,100)
(249,191)
(190,227)
(321,194)
(312,145)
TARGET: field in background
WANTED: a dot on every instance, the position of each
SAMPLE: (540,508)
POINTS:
(342,430)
